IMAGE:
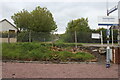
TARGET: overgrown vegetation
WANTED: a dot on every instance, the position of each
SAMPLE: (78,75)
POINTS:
(40,52)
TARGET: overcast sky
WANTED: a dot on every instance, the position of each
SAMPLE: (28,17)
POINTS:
(63,11)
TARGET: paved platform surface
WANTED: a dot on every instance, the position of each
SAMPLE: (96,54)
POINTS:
(36,70)
(99,45)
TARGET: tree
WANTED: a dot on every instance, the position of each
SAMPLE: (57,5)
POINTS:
(38,20)
(81,27)
(78,25)
(22,20)
(42,20)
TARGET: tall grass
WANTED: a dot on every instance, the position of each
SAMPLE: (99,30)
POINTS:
(39,52)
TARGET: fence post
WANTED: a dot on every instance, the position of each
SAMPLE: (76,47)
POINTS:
(8,36)
(30,36)
(75,40)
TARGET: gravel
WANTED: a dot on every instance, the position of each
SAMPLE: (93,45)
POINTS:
(37,70)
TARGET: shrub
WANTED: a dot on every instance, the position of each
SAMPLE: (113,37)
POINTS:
(38,51)
(83,56)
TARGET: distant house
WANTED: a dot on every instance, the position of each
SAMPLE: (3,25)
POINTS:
(5,25)
(9,28)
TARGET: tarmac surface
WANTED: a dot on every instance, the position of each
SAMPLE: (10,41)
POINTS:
(37,70)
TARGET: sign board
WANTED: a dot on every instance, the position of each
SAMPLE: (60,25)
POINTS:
(108,21)
(95,35)
(112,10)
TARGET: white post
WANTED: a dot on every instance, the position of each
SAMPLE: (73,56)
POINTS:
(101,38)
(75,40)
(9,36)
(108,49)
(30,36)
(52,38)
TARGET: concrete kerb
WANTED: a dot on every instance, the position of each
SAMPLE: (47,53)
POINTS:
(47,62)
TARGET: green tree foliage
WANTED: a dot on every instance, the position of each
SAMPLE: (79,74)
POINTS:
(42,20)
(81,27)
(38,20)
(22,20)
(84,32)
(78,25)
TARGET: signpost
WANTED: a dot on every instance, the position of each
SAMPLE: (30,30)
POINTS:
(108,21)
(108,48)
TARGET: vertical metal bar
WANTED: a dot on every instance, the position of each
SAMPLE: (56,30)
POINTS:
(75,39)
(30,36)
(119,23)
(8,36)
(118,37)
(101,38)
(112,35)
(52,38)
(44,39)
(108,49)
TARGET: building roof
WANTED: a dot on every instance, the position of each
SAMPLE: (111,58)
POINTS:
(9,23)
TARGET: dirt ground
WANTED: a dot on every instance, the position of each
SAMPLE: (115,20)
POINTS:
(36,70)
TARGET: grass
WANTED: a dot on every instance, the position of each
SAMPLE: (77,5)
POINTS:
(40,52)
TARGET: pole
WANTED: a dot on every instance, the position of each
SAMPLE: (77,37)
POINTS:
(101,38)
(52,38)
(118,37)
(30,36)
(44,39)
(119,23)
(119,32)
(112,35)
(8,36)
(75,40)
(108,48)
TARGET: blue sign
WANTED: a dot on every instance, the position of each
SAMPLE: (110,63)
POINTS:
(108,24)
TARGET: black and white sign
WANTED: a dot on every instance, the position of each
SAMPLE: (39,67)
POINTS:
(95,35)
(108,20)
